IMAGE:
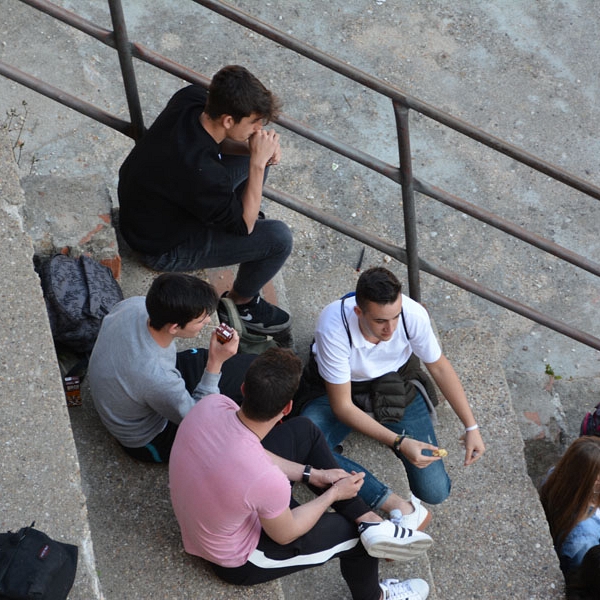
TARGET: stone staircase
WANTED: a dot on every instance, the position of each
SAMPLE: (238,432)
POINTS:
(61,468)
(40,478)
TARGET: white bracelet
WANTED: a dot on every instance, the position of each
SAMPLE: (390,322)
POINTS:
(472,428)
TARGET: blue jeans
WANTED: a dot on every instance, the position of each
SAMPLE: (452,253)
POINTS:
(431,484)
(259,255)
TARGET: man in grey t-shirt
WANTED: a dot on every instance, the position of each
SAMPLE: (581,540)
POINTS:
(141,387)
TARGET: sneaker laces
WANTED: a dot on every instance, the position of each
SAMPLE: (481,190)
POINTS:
(261,311)
(393,589)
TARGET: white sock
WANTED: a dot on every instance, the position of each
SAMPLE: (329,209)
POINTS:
(396,513)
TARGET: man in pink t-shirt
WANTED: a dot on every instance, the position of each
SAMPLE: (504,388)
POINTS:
(229,475)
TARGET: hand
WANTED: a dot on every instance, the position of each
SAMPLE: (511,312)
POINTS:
(323,478)
(412,451)
(349,486)
(218,353)
(474,446)
(276,158)
(264,147)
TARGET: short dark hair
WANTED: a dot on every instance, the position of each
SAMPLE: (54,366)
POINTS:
(270,383)
(377,285)
(235,91)
(179,298)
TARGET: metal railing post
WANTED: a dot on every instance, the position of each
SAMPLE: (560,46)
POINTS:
(127,70)
(408,201)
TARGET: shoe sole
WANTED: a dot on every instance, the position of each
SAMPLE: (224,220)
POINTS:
(400,551)
(257,328)
(425,522)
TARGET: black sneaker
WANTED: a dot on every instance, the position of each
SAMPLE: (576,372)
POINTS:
(260,316)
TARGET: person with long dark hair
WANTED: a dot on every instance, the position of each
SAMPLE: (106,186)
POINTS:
(570,496)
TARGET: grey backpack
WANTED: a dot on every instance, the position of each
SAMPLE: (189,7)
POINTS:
(79,292)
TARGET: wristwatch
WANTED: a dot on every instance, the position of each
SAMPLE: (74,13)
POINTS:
(306,474)
(396,445)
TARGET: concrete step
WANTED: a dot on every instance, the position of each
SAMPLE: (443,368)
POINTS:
(470,558)
(40,472)
(492,536)
(129,501)
(136,536)
(59,466)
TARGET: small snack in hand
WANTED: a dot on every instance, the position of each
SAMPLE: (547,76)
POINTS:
(440,452)
(224,333)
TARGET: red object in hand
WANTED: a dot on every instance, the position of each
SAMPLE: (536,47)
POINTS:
(224,333)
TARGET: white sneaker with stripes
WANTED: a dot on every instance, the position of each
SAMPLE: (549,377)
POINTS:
(410,589)
(387,540)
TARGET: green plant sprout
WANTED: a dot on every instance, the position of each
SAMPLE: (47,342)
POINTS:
(16,122)
(552,377)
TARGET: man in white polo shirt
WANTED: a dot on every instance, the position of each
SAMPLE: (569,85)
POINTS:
(366,350)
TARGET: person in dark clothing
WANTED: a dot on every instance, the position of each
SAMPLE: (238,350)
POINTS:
(584,584)
(190,190)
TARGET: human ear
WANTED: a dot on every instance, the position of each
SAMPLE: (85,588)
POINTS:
(227,121)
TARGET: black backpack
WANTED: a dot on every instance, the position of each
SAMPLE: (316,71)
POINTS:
(79,293)
(34,566)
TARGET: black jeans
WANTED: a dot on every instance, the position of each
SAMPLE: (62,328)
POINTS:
(260,255)
(335,535)
(191,365)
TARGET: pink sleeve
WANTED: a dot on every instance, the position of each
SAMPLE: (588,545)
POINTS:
(270,495)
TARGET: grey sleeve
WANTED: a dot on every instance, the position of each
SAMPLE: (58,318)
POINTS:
(168,396)
(209,384)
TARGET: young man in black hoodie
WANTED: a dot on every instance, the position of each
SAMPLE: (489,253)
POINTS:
(190,190)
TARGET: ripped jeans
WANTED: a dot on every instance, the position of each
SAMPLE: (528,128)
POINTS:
(431,484)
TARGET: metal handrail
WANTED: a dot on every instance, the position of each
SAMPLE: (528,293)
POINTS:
(401,97)
(402,104)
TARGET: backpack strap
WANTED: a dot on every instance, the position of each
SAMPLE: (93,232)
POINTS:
(404,324)
(233,316)
(344,318)
(250,343)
